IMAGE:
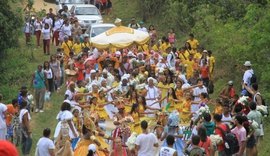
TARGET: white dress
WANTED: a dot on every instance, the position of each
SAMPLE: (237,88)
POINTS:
(152,93)
(64,116)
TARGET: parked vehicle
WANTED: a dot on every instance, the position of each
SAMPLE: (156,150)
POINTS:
(96,29)
(87,14)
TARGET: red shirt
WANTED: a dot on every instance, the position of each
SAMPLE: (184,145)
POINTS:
(204,72)
(232,92)
(206,145)
(80,67)
(10,112)
(219,132)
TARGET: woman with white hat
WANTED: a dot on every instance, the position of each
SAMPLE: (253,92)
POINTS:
(152,95)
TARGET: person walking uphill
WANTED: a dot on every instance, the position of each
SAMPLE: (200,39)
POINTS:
(39,85)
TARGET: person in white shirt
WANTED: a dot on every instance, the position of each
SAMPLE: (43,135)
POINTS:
(152,96)
(168,151)
(196,93)
(247,77)
(45,146)
(142,28)
(171,58)
(47,20)
(248,73)
(58,23)
(3,126)
(27,31)
(146,143)
(38,28)
(65,31)
(24,119)
(46,33)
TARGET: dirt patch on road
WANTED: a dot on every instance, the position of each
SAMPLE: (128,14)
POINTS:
(41,4)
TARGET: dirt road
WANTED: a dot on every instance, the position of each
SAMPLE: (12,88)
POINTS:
(41,4)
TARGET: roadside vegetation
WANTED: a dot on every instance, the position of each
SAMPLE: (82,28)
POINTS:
(235,30)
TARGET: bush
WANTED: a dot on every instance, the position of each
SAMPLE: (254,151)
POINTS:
(10,25)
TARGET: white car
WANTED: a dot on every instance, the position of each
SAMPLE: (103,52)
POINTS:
(96,29)
(87,14)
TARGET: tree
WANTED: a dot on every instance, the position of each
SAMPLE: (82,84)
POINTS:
(10,26)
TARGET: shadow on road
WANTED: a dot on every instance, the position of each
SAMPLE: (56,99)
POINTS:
(49,1)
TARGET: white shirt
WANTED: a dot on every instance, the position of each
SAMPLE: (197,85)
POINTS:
(37,25)
(196,93)
(247,76)
(3,108)
(66,30)
(49,73)
(171,59)
(143,29)
(27,27)
(57,25)
(146,143)
(47,20)
(166,151)
(22,112)
(44,145)
(46,34)
(162,64)
(69,94)
(226,120)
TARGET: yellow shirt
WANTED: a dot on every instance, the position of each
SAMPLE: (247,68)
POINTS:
(67,47)
(190,51)
(77,48)
(155,48)
(164,46)
(211,61)
(183,56)
(194,43)
(218,109)
(83,45)
(197,56)
(189,68)
(143,48)
(164,89)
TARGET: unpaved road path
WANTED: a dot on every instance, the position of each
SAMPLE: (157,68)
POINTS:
(41,4)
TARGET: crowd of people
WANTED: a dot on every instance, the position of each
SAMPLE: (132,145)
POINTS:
(156,96)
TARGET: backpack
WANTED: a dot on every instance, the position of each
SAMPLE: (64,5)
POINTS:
(230,141)
(210,87)
(253,79)
(263,102)
(197,151)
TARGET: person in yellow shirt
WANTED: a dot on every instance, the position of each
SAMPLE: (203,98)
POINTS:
(86,44)
(155,47)
(188,49)
(101,103)
(183,54)
(189,67)
(164,87)
(77,48)
(67,46)
(198,54)
(135,113)
(144,48)
(193,42)
(211,63)
(164,44)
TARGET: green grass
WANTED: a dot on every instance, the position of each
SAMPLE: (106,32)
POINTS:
(20,65)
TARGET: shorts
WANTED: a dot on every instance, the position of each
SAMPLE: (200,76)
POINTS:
(251,142)
(9,131)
